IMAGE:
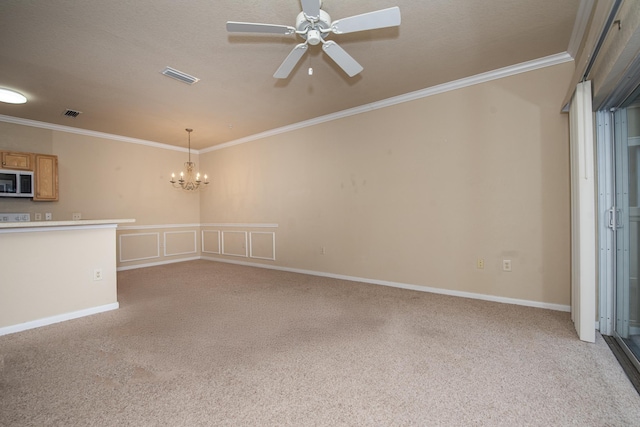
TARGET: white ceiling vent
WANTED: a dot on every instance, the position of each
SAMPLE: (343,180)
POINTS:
(71,113)
(179,75)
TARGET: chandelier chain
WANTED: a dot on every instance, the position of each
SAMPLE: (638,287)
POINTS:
(189,181)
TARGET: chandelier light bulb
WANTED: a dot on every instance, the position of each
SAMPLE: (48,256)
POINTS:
(189,181)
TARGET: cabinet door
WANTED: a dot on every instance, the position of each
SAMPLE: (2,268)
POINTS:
(46,178)
(21,161)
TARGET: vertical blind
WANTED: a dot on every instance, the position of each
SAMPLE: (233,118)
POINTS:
(583,225)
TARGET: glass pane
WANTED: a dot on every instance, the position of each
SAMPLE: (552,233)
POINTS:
(628,238)
(7,183)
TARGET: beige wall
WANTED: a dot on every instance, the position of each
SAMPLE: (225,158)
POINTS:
(416,192)
(50,273)
(109,179)
(104,178)
(25,138)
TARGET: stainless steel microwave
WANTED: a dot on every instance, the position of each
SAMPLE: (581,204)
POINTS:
(14,183)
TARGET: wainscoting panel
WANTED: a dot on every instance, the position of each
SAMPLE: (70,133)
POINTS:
(139,246)
(211,241)
(234,243)
(262,245)
(149,245)
(180,243)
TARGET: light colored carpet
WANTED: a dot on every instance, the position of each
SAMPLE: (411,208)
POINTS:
(205,343)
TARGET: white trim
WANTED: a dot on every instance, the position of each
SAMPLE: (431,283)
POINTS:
(139,234)
(202,241)
(86,132)
(472,295)
(239,225)
(580,26)
(29,229)
(484,297)
(213,224)
(153,227)
(57,318)
(500,73)
(155,264)
(273,242)
(195,244)
(245,244)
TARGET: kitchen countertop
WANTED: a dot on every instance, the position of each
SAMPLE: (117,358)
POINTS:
(49,224)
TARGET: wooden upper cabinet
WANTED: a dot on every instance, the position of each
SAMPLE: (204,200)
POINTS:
(12,160)
(46,178)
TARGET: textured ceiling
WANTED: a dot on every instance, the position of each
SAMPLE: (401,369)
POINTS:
(104,59)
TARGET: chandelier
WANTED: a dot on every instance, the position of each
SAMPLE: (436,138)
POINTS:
(189,180)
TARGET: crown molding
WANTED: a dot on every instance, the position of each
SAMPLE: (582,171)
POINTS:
(85,132)
(500,73)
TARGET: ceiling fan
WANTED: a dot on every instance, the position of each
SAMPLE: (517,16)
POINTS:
(314,25)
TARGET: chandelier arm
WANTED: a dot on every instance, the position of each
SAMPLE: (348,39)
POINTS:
(189,180)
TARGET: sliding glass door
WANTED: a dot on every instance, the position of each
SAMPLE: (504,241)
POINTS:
(626,217)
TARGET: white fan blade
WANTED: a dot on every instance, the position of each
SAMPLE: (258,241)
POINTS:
(368,21)
(311,8)
(250,27)
(342,58)
(290,61)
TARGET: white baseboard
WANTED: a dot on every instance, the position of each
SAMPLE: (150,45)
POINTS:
(57,318)
(484,297)
(154,264)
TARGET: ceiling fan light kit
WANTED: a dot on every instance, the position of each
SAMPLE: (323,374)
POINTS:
(313,25)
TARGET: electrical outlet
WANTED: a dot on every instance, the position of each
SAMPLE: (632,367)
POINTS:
(322,251)
(480,264)
(506,265)
(38,216)
(76,216)
(97,274)
(47,216)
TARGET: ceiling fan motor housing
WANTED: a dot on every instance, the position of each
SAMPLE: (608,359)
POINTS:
(311,28)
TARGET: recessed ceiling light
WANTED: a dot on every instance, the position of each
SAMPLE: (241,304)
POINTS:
(12,97)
